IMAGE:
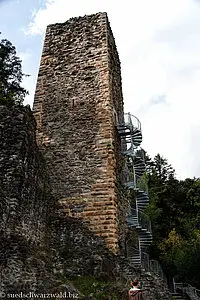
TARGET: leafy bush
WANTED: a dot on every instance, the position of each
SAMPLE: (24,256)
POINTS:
(10,75)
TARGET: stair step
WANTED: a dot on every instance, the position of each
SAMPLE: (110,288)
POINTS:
(141,201)
(139,166)
(142,194)
(146,237)
(144,233)
(131,134)
(142,206)
(145,245)
(142,197)
(146,241)
(144,200)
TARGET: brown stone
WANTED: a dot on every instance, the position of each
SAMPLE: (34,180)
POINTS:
(77,97)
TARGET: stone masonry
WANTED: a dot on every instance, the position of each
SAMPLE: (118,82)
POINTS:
(78,103)
(23,184)
(25,204)
(39,245)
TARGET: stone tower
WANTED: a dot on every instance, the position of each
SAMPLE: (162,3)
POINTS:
(78,103)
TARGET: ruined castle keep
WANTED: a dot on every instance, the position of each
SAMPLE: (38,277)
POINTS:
(72,182)
(78,104)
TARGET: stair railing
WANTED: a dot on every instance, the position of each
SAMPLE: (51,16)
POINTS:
(134,152)
(132,251)
(145,261)
(139,219)
(127,127)
(140,153)
(141,183)
(132,177)
(185,288)
(132,121)
(156,268)
(128,176)
(192,292)
(144,221)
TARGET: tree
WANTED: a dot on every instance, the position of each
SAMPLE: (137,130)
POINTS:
(159,170)
(162,189)
(11,75)
(174,210)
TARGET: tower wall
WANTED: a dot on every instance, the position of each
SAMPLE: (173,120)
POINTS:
(78,102)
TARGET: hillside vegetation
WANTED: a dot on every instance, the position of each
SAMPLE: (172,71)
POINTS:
(175,213)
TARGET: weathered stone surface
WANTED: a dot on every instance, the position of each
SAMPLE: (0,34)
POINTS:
(25,204)
(155,288)
(78,102)
(78,251)
(39,246)
(23,182)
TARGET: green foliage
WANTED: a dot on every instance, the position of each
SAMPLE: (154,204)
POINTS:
(10,75)
(175,215)
(142,182)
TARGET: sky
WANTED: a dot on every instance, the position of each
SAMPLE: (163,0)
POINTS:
(158,42)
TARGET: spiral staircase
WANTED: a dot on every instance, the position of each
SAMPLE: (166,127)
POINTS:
(133,178)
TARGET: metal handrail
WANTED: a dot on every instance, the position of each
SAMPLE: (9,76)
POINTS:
(156,268)
(186,288)
(141,183)
(128,175)
(144,257)
(140,219)
(144,221)
(135,152)
(127,128)
(132,121)
(148,265)
(145,261)
(132,251)
(140,152)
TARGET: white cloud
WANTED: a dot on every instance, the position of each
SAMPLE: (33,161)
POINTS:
(159,45)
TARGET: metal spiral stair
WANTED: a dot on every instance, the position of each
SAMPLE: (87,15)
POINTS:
(130,131)
(131,136)
(142,199)
(139,220)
